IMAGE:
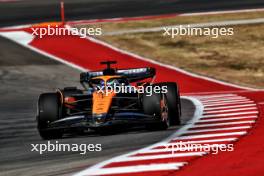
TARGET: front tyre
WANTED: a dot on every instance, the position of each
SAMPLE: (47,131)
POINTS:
(49,108)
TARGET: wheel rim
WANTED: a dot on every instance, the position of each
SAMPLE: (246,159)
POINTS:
(164,110)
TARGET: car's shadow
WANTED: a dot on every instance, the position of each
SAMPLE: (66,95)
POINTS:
(111,132)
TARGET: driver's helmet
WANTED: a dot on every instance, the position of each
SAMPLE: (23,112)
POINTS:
(98,84)
(112,82)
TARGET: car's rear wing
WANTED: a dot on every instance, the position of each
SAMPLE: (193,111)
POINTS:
(132,74)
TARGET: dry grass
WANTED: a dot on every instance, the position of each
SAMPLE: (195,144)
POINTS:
(238,59)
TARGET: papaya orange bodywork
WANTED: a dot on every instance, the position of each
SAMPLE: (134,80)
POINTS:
(102,101)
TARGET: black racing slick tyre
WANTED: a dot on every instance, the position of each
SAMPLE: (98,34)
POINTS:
(174,103)
(49,108)
(156,105)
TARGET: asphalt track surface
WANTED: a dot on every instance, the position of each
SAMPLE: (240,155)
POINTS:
(23,76)
(35,11)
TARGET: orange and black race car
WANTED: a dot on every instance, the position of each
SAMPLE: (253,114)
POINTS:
(110,98)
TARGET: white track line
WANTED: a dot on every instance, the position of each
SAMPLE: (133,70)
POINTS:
(194,25)
(224,124)
(154,151)
(229,110)
(229,107)
(204,141)
(162,156)
(229,118)
(222,12)
(19,37)
(190,148)
(173,149)
(193,94)
(216,96)
(134,169)
(230,114)
(201,97)
(183,14)
(212,135)
(229,103)
(218,129)
(223,99)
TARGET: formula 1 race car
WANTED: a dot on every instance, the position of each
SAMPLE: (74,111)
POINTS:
(110,98)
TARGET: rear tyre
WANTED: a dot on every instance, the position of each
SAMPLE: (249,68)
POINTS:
(68,94)
(174,103)
(49,108)
(156,105)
